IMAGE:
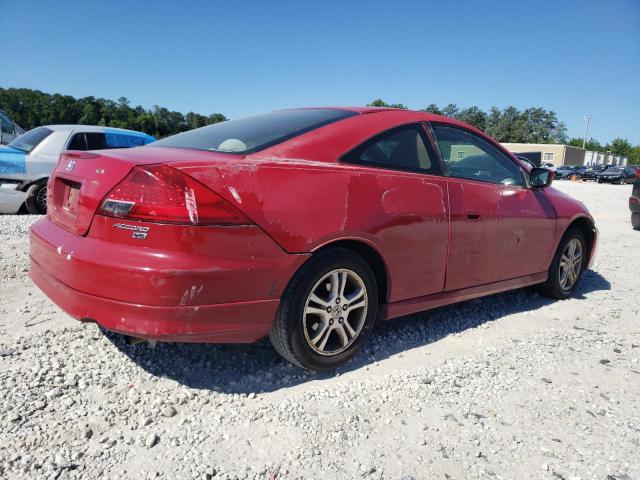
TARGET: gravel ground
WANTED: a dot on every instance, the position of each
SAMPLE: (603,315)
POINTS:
(510,386)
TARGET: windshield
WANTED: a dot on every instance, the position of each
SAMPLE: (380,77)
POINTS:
(30,140)
(615,170)
(250,134)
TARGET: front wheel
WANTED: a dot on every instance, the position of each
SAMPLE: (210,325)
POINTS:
(635,220)
(327,312)
(567,266)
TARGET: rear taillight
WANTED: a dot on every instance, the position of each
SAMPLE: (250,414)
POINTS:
(159,193)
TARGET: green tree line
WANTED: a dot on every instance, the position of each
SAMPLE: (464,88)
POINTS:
(32,108)
(531,125)
(617,146)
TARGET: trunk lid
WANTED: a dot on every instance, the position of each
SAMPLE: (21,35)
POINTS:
(81,180)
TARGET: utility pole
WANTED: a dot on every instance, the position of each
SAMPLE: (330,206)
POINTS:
(587,117)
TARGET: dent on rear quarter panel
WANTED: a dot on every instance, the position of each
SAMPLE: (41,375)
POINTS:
(303,205)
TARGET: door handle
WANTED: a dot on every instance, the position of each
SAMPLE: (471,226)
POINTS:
(473,217)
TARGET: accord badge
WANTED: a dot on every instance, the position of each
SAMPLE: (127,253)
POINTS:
(137,231)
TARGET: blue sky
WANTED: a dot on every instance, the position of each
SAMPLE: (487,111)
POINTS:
(240,58)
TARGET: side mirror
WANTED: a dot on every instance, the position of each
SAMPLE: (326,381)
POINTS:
(541,177)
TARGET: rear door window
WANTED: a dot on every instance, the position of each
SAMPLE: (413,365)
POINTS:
(95,141)
(78,142)
(117,140)
(402,148)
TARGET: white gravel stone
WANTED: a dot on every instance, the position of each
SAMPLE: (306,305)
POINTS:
(151,440)
(169,411)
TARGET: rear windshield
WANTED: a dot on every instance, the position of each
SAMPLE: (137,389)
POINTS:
(30,140)
(250,134)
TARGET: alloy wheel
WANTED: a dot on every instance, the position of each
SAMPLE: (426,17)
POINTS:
(570,264)
(335,312)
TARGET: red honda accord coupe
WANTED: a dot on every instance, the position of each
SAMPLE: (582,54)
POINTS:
(305,225)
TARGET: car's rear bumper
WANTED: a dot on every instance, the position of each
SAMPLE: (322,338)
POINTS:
(169,295)
(241,322)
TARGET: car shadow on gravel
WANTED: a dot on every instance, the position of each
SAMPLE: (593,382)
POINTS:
(243,369)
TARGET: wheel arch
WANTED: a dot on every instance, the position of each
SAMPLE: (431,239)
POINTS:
(588,229)
(35,181)
(370,255)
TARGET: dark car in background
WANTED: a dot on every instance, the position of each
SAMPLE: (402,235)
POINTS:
(634,202)
(564,172)
(579,170)
(619,175)
(591,173)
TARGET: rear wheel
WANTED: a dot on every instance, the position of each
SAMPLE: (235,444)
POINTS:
(327,312)
(635,220)
(36,201)
(567,266)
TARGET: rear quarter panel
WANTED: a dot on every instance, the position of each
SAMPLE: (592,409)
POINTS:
(305,205)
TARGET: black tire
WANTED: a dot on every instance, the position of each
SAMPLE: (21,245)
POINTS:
(36,201)
(288,332)
(635,220)
(552,287)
